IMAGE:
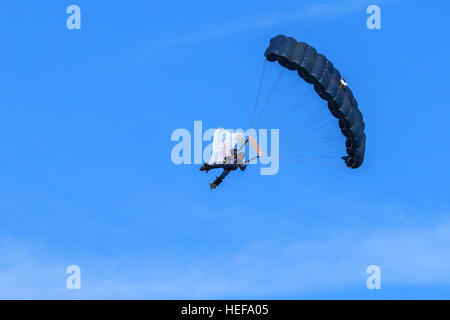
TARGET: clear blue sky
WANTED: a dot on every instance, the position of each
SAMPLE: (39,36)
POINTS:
(86,177)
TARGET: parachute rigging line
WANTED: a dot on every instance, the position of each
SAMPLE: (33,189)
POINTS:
(259,92)
(309,160)
(307,135)
(284,99)
(295,108)
(311,123)
(274,88)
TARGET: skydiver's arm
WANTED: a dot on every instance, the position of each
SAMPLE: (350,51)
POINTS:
(224,174)
(216,165)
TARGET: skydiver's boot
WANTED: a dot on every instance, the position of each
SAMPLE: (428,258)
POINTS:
(214,184)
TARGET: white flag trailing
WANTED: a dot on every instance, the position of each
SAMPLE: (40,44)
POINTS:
(224,142)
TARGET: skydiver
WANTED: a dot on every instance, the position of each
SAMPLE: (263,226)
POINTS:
(231,164)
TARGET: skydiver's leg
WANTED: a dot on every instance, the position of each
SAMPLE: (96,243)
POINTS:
(215,166)
(206,166)
(229,166)
(219,179)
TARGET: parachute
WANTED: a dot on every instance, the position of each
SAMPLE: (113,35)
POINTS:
(314,68)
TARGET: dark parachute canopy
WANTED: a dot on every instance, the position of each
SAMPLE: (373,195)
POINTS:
(316,69)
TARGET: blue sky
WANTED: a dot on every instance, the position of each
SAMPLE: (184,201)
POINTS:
(86,176)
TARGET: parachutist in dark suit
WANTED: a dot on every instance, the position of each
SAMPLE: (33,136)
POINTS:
(231,164)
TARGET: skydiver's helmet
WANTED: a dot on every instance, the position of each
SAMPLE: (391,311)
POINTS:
(241,157)
(229,159)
